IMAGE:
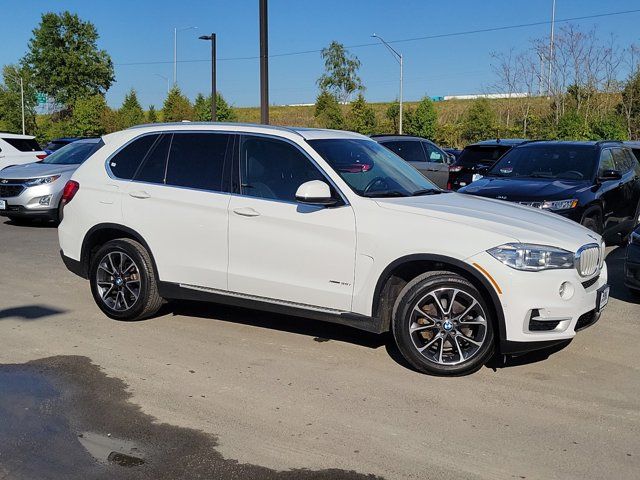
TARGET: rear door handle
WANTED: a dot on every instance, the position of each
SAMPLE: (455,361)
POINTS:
(139,194)
(246,212)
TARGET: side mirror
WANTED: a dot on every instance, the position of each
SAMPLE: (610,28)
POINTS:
(315,192)
(451,158)
(609,175)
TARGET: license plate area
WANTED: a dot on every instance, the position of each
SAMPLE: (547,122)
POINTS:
(602,298)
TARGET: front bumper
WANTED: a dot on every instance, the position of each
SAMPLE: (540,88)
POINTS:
(39,201)
(535,315)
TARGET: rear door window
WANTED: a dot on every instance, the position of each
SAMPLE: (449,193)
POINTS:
(434,154)
(197,160)
(606,161)
(23,144)
(154,167)
(124,164)
(411,151)
(621,160)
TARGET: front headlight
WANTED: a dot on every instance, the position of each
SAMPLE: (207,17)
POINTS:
(532,258)
(560,204)
(41,181)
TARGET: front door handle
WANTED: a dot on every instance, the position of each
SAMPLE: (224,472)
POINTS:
(246,212)
(139,194)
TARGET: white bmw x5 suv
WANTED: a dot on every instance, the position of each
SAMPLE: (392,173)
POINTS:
(325,225)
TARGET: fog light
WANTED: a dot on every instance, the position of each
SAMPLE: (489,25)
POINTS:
(566,290)
(46,200)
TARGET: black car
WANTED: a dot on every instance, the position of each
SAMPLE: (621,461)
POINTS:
(454,153)
(632,264)
(424,155)
(594,183)
(478,156)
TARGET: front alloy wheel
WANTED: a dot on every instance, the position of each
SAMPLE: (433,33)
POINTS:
(442,324)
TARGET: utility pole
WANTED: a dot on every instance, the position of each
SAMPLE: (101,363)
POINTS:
(175,52)
(166,79)
(264,63)
(553,22)
(214,92)
(18,79)
(400,60)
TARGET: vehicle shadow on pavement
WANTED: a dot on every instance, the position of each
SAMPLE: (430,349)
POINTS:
(498,361)
(33,223)
(29,312)
(615,267)
(320,331)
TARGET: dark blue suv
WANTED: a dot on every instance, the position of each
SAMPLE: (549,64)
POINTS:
(594,183)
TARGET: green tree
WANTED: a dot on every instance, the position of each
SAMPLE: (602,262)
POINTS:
(176,107)
(11,101)
(340,75)
(202,109)
(328,113)
(361,117)
(573,126)
(130,112)
(610,127)
(422,121)
(479,121)
(87,119)
(65,60)
(630,105)
(152,116)
(392,113)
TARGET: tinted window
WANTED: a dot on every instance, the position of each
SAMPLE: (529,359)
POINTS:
(370,169)
(474,154)
(196,160)
(567,162)
(274,169)
(125,163)
(411,151)
(23,144)
(73,153)
(56,145)
(621,160)
(434,154)
(155,163)
(606,161)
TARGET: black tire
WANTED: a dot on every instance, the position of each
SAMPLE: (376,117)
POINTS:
(148,301)
(593,222)
(405,317)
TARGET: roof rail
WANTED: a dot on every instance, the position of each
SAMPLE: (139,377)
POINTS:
(226,124)
(377,135)
(608,141)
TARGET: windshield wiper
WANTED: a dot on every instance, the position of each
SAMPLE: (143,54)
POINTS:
(426,191)
(541,175)
(384,193)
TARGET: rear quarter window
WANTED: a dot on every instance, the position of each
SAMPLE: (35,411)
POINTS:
(23,144)
(124,164)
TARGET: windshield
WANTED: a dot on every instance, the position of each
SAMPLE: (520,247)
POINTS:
(72,154)
(371,170)
(565,162)
(475,154)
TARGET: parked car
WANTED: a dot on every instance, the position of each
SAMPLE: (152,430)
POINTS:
(422,154)
(476,157)
(632,263)
(327,225)
(18,149)
(596,184)
(34,190)
(58,143)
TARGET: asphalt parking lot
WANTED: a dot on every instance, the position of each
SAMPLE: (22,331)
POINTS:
(204,391)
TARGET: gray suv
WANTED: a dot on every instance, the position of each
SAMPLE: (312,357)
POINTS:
(34,190)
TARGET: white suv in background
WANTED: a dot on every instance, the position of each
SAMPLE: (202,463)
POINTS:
(326,225)
(18,149)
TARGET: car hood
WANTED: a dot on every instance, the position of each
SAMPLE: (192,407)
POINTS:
(516,190)
(35,170)
(515,222)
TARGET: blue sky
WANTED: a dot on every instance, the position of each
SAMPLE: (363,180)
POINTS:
(142,31)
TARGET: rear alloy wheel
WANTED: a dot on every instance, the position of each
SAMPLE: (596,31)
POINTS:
(123,282)
(442,326)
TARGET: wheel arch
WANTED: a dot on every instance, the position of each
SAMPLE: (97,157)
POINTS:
(102,233)
(402,270)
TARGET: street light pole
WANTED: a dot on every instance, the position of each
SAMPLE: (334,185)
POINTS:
(18,79)
(214,93)
(167,80)
(553,22)
(400,60)
(264,63)
(175,51)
